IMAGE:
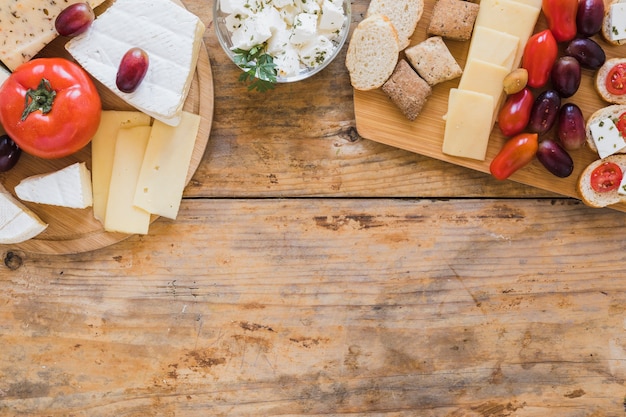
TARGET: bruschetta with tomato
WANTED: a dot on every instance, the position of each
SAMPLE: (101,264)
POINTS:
(611,80)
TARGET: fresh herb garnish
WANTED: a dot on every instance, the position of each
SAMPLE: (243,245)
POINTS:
(259,68)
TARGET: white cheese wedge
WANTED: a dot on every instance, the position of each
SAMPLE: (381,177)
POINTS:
(171,36)
(165,164)
(468,124)
(67,187)
(618,21)
(17,222)
(103,151)
(121,215)
(606,136)
(28,26)
(4,74)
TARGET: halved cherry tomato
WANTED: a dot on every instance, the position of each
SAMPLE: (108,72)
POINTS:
(515,113)
(616,80)
(561,18)
(540,52)
(516,153)
(606,177)
(621,124)
(50,107)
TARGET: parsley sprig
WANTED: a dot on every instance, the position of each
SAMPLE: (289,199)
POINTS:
(259,68)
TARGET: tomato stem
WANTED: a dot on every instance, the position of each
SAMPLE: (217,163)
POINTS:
(39,99)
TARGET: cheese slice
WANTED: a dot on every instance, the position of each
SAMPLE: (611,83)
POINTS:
(167,32)
(121,214)
(67,187)
(28,26)
(493,46)
(468,124)
(532,3)
(165,164)
(483,77)
(103,151)
(17,222)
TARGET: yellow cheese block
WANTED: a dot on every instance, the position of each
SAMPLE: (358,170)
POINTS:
(493,46)
(103,150)
(533,3)
(165,165)
(483,77)
(121,214)
(468,124)
(509,16)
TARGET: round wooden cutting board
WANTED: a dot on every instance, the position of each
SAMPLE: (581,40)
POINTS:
(76,230)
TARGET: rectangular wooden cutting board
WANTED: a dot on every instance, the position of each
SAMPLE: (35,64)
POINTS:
(378,119)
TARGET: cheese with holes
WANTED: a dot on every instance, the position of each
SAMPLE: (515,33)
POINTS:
(17,222)
(121,214)
(170,35)
(67,187)
(103,150)
(165,165)
(468,124)
(28,26)
(493,46)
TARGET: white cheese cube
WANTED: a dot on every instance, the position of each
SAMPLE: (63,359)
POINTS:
(618,21)
(233,6)
(332,17)
(606,137)
(289,13)
(311,7)
(277,44)
(288,62)
(273,20)
(314,53)
(304,28)
(282,3)
(252,32)
(67,187)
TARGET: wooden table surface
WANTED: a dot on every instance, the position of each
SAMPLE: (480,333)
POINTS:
(315,273)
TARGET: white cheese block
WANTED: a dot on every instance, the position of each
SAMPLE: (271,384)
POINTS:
(165,165)
(28,26)
(618,21)
(103,150)
(17,222)
(121,215)
(606,136)
(493,46)
(67,187)
(171,36)
(468,124)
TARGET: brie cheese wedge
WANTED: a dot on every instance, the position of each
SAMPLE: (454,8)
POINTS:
(68,187)
(17,222)
(167,32)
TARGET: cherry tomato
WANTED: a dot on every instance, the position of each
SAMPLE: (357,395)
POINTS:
(561,18)
(515,113)
(50,107)
(616,80)
(606,177)
(621,124)
(516,153)
(540,54)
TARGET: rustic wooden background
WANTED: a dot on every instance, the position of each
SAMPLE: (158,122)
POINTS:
(314,273)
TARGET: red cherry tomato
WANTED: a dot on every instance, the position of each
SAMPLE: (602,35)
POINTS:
(561,18)
(616,80)
(540,53)
(516,153)
(515,113)
(621,124)
(606,177)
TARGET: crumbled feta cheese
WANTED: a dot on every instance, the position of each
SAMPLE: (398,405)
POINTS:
(315,52)
(304,28)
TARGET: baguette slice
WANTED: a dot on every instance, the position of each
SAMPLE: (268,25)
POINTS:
(404,14)
(613,112)
(607,24)
(593,198)
(372,52)
(601,76)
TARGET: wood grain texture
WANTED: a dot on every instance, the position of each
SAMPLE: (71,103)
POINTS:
(342,307)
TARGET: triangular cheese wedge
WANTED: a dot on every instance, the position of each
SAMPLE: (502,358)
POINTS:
(23,223)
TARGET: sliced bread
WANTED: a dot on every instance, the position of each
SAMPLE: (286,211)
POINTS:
(601,76)
(372,52)
(404,14)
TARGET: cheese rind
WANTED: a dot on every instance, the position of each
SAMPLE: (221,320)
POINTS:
(121,215)
(165,164)
(103,151)
(67,187)
(167,32)
(28,26)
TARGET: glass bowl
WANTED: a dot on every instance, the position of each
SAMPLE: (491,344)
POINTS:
(236,30)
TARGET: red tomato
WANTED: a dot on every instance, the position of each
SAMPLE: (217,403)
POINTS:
(540,54)
(50,107)
(616,80)
(516,153)
(621,124)
(515,113)
(606,177)
(561,18)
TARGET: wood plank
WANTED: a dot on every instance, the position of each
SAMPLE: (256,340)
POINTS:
(370,307)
